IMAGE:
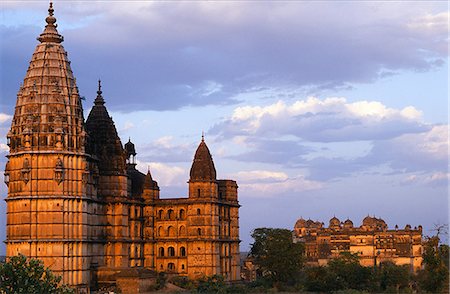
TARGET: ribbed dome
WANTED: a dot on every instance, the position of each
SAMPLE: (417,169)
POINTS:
(369,221)
(203,166)
(348,223)
(104,138)
(335,222)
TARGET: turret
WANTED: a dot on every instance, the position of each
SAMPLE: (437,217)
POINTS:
(203,182)
(151,188)
(130,152)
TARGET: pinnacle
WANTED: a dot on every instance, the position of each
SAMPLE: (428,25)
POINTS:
(50,34)
(99,100)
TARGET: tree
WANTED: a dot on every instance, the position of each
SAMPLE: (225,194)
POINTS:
(393,277)
(349,273)
(434,277)
(21,275)
(276,256)
(211,284)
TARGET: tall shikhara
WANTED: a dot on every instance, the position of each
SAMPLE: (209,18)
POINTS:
(77,202)
(51,191)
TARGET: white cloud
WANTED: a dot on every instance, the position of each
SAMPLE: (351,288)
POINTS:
(127,126)
(422,151)
(328,120)
(5,118)
(164,174)
(263,183)
(430,179)
(164,142)
(4,148)
(261,176)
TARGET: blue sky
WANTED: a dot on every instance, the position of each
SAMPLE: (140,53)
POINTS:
(316,108)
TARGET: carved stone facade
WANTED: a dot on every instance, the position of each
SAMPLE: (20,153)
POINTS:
(77,202)
(372,241)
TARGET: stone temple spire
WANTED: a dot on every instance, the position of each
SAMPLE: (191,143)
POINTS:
(48,112)
(47,164)
(103,133)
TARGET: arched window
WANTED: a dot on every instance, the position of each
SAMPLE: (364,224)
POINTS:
(171,251)
(182,251)
(171,231)
(198,192)
(161,251)
(199,231)
(160,214)
(182,214)
(160,231)
(199,211)
(182,231)
(171,266)
(182,266)
(170,214)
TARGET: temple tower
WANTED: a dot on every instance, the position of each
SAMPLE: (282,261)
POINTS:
(213,229)
(50,190)
(109,156)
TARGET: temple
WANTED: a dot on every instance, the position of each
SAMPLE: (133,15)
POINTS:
(77,202)
(372,241)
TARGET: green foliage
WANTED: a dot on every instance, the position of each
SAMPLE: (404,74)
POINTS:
(342,273)
(183,282)
(161,280)
(393,278)
(434,277)
(21,275)
(348,273)
(319,279)
(278,259)
(211,284)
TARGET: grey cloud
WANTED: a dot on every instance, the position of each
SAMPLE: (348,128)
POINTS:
(155,152)
(273,151)
(159,55)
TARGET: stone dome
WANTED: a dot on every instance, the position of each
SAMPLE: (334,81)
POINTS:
(203,166)
(348,223)
(334,222)
(300,223)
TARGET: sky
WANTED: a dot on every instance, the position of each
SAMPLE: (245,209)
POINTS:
(317,109)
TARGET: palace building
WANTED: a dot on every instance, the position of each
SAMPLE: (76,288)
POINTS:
(372,241)
(77,202)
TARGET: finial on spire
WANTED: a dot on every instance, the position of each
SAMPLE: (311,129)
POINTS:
(99,92)
(203,136)
(50,34)
(99,100)
(50,9)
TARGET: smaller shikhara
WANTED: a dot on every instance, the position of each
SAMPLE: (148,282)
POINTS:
(373,242)
(77,202)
